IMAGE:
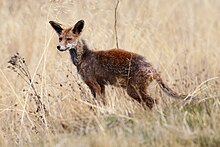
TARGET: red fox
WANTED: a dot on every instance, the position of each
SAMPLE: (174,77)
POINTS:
(115,67)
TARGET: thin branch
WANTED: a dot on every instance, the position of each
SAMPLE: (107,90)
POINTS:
(115,26)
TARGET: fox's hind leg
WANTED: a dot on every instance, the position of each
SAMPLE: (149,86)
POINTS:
(140,94)
(147,99)
(132,92)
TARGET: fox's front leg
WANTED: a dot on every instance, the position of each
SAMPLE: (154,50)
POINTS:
(102,85)
(96,90)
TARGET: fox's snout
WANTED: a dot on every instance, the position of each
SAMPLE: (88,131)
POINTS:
(66,47)
(61,48)
(58,47)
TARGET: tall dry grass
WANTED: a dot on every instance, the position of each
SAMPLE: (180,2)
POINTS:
(180,38)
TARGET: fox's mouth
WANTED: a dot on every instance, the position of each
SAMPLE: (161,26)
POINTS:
(65,48)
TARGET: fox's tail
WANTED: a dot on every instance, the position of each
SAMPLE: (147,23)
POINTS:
(167,89)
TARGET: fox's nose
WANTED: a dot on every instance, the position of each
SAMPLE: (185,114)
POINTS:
(58,47)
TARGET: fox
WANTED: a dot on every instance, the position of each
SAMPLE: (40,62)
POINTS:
(115,67)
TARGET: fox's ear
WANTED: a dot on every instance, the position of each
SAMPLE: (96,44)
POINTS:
(57,26)
(77,29)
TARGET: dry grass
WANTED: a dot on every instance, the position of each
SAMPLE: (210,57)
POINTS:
(179,37)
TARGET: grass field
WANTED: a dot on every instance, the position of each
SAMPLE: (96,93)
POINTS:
(181,38)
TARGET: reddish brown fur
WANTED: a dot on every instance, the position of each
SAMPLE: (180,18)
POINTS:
(115,67)
(120,68)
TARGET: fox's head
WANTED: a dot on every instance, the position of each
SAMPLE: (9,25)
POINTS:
(69,37)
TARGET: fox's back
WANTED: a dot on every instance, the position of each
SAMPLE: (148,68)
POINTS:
(120,62)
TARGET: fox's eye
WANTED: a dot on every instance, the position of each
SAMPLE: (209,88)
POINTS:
(60,38)
(69,39)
